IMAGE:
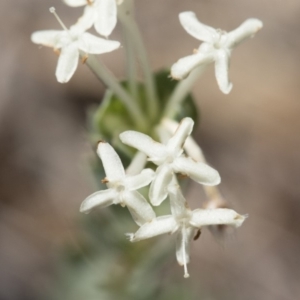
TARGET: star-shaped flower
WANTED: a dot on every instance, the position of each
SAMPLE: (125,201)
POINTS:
(185,223)
(100,13)
(216,47)
(121,187)
(170,159)
(69,43)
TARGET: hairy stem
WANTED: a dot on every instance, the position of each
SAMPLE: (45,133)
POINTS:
(127,19)
(131,64)
(111,82)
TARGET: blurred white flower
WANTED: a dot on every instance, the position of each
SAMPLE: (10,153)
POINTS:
(100,13)
(216,47)
(121,187)
(170,159)
(185,223)
(69,43)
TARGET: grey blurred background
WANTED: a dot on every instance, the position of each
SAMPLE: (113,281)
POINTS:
(251,136)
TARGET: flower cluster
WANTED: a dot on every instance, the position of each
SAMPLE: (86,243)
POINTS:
(176,153)
(171,159)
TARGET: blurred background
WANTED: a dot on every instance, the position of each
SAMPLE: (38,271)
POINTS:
(251,136)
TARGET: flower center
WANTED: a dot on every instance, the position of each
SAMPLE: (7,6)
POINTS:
(120,187)
(219,39)
(169,159)
(117,185)
(172,155)
(184,218)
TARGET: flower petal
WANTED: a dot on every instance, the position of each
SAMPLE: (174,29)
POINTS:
(163,134)
(159,186)
(178,203)
(190,146)
(200,172)
(244,31)
(193,150)
(176,142)
(183,242)
(47,38)
(95,45)
(137,164)
(144,143)
(138,181)
(182,68)
(219,216)
(111,161)
(101,199)
(221,70)
(87,20)
(67,63)
(107,16)
(195,28)
(139,208)
(157,226)
(75,3)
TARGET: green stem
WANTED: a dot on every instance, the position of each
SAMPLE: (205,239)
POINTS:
(127,19)
(131,64)
(182,89)
(111,82)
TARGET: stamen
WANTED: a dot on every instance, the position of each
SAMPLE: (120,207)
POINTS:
(196,237)
(56,51)
(84,58)
(182,176)
(130,236)
(52,10)
(186,274)
(105,180)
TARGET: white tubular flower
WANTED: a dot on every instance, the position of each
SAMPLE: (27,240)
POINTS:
(101,13)
(216,47)
(190,146)
(185,223)
(121,187)
(170,160)
(69,43)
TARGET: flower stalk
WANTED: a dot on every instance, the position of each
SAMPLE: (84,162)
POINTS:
(182,89)
(127,19)
(111,82)
(131,65)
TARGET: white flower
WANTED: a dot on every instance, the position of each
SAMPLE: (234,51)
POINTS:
(100,13)
(121,187)
(216,47)
(185,223)
(170,160)
(70,42)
